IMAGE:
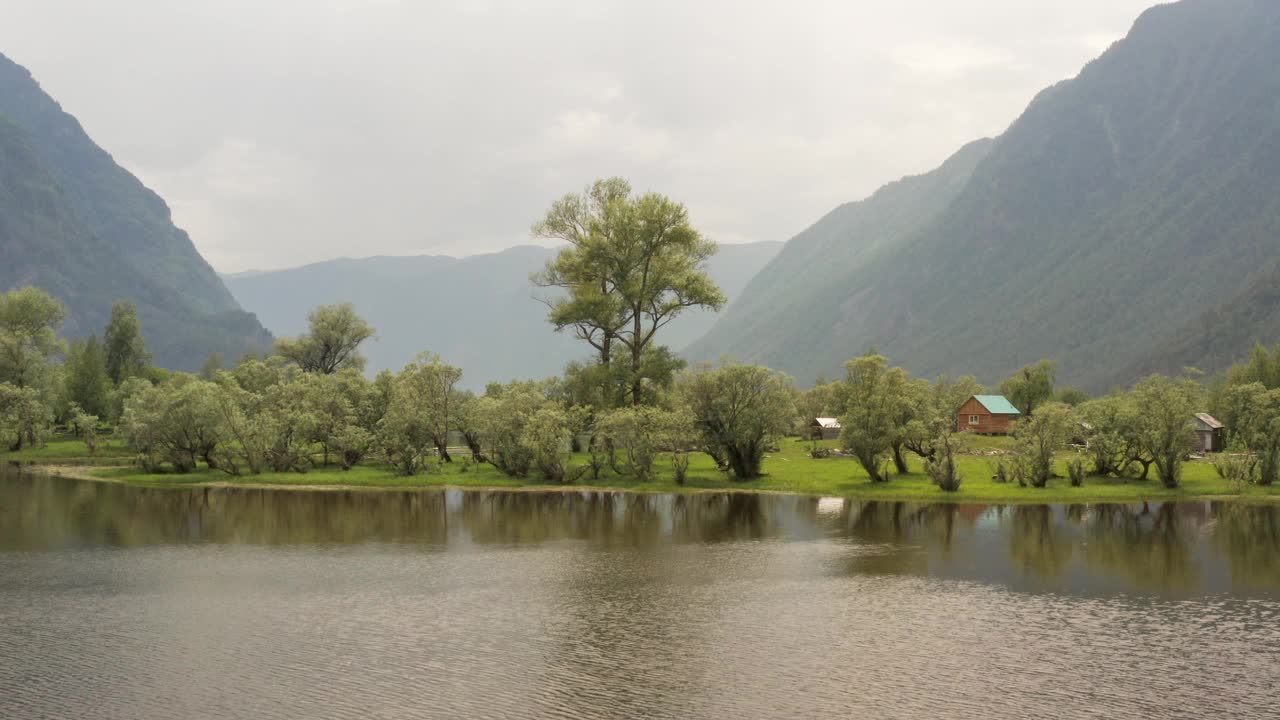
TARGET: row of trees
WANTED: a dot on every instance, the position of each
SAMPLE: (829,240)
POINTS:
(884,413)
(309,404)
(37,390)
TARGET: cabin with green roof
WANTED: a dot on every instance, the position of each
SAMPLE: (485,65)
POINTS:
(987,415)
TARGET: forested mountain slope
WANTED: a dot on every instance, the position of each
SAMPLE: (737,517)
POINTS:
(1222,335)
(1120,206)
(477,312)
(76,224)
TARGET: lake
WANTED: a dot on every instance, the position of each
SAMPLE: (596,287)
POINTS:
(127,602)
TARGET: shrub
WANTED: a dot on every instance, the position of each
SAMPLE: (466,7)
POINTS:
(942,470)
(1075,471)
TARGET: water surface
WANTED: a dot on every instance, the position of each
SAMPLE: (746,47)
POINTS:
(125,602)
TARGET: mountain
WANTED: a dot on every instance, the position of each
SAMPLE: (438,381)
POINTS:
(81,227)
(1222,335)
(1119,207)
(477,312)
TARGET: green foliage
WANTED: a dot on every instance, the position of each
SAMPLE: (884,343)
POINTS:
(178,423)
(519,428)
(1165,428)
(640,434)
(1110,425)
(930,411)
(941,464)
(24,416)
(1254,412)
(1030,387)
(876,401)
(738,411)
(85,426)
(126,351)
(85,377)
(29,322)
(212,366)
(419,414)
(1038,438)
(331,344)
(633,264)
(1071,396)
(546,438)
(1075,472)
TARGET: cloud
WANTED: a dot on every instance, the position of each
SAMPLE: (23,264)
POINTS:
(293,131)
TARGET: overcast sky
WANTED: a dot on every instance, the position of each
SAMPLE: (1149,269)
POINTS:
(288,131)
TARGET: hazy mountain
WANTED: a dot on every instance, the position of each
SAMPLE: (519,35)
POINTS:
(76,224)
(477,312)
(1118,208)
(1222,335)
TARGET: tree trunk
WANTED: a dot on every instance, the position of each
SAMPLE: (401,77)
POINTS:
(900,462)
(636,353)
(443,449)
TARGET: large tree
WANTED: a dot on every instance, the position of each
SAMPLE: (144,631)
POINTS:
(430,385)
(126,351)
(29,322)
(1031,386)
(1166,424)
(875,397)
(738,411)
(332,342)
(633,264)
(85,376)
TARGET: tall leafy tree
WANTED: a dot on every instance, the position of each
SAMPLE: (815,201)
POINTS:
(85,376)
(126,350)
(1039,437)
(29,322)
(1031,386)
(332,342)
(738,411)
(875,395)
(430,386)
(1166,427)
(24,416)
(632,265)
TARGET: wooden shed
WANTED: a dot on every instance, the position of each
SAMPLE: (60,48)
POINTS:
(1209,433)
(987,415)
(824,429)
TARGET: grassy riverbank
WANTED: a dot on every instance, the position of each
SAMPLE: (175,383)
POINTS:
(790,470)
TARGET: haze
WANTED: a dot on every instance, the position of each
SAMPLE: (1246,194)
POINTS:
(296,131)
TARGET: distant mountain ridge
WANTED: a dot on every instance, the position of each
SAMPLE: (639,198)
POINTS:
(478,312)
(1118,208)
(81,227)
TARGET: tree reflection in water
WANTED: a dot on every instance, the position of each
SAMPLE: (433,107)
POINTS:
(1174,547)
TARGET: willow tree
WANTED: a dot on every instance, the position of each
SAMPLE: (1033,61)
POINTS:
(29,322)
(332,342)
(633,264)
(875,395)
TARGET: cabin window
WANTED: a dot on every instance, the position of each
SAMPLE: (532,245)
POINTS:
(973,419)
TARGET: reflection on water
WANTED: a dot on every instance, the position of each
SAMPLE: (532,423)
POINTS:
(119,601)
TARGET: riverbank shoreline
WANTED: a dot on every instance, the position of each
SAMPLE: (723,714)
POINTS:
(907,491)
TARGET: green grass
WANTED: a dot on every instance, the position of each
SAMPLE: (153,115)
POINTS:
(69,451)
(790,470)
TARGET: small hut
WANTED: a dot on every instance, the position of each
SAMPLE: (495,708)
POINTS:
(1209,433)
(824,429)
(987,415)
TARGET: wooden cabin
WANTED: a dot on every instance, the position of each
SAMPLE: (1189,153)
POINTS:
(1209,433)
(824,429)
(987,415)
